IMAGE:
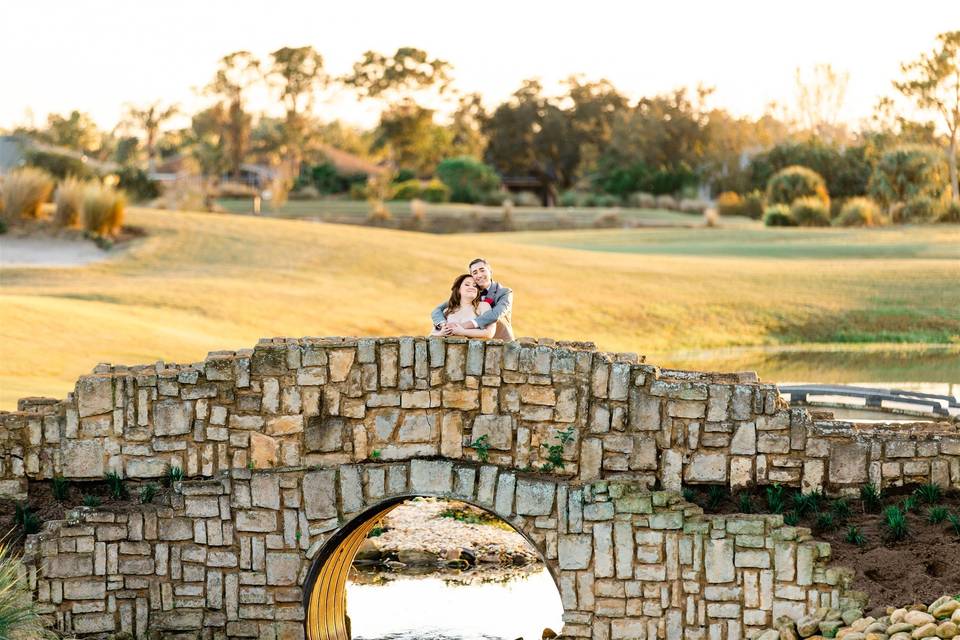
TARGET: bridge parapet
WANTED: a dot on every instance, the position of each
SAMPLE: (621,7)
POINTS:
(324,401)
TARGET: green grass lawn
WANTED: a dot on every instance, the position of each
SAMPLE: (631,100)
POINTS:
(199,282)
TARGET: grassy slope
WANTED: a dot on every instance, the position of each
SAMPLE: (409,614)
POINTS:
(202,282)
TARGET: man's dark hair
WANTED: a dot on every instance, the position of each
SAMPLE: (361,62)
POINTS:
(475,261)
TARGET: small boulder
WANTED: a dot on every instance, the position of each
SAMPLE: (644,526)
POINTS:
(769,634)
(830,628)
(918,618)
(548,633)
(928,630)
(948,629)
(807,626)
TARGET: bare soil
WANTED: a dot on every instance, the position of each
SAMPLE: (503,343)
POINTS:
(920,568)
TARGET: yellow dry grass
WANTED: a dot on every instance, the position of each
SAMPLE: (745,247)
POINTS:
(202,282)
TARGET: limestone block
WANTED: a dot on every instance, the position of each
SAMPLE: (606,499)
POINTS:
(83,459)
(284,425)
(175,529)
(415,399)
(686,409)
(325,434)
(773,443)
(718,560)
(340,362)
(172,417)
(418,426)
(259,521)
(741,471)
(248,423)
(742,402)
(848,463)
(591,457)
(431,477)
(202,506)
(94,395)
(707,467)
(464,399)
(744,440)
(538,394)
(351,489)
(70,565)
(282,568)
(717,407)
(451,435)
(265,490)
(146,467)
(535,498)
(497,428)
(264,450)
(456,361)
(644,410)
(93,623)
(503,503)
(575,551)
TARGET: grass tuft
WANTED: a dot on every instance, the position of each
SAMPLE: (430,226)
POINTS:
(895,521)
(854,536)
(776,500)
(147,493)
(91,501)
(103,210)
(24,192)
(60,487)
(115,482)
(929,493)
(69,199)
(19,617)
(936,515)
(872,498)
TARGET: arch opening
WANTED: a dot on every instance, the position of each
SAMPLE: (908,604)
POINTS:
(326,586)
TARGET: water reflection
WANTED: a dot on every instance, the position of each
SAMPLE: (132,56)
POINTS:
(460,608)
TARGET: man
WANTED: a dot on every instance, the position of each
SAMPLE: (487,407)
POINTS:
(499,297)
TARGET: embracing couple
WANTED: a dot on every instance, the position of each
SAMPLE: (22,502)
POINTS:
(478,307)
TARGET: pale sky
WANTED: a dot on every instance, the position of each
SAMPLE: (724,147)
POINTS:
(96,56)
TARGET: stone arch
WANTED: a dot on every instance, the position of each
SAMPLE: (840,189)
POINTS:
(324,596)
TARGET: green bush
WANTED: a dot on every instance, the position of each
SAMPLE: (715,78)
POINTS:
(904,173)
(753,204)
(606,200)
(569,199)
(60,486)
(527,199)
(642,200)
(929,493)
(468,178)
(358,191)
(115,482)
(810,211)
(936,515)
(407,190)
(729,204)
(950,212)
(69,202)
(403,175)
(147,493)
(24,192)
(137,184)
(91,501)
(435,191)
(667,202)
(895,521)
(845,172)
(778,215)
(917,210)
(795,182)
(60,165)
(860,212)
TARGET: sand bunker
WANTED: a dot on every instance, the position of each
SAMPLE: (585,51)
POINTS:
(48,252)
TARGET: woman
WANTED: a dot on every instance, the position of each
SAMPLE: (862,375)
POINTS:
(464,305)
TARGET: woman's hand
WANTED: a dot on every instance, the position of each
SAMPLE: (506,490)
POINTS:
(449,329)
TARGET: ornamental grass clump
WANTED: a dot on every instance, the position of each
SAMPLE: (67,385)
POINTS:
(715,495)
(60,486)
(860,212)
(68,200)
(19,618)
(895,521)
(24,192)
(115,482)
(936,515)
(91,501)
(872,497)
(929,493)
(775,498)
(103,210)
(744,503)
(171,475)
(147,493)
(854,536)
(810,211)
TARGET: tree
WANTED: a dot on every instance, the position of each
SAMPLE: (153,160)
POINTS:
(596,107)
(76,131)
(237,72)
(149,119)
(409,69)
(933,83)
(297,72)
(466,126)
(529,135)
(206,139)
(411,138)
(820,99)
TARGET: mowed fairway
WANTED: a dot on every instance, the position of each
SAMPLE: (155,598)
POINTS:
(202,282)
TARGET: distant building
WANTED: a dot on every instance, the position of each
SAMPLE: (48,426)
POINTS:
(15,152)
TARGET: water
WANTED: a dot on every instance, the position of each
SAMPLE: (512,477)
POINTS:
(432,608)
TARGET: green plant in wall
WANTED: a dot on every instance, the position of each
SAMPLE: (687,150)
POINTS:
(791,518)
(745,503)
(776,500)
(482,446)
(115,483)
(929,493)
(840,509)
(171,475)
(375,454)
(715,495)
(825,522)
(689,494)
(805,503)
(872,497)
(147,493)
(555,450)
(91,501)
(26,518)
(954,521)
(60,485)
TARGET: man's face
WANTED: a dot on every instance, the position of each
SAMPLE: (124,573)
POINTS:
(481,274)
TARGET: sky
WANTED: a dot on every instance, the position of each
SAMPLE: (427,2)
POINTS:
(98,56)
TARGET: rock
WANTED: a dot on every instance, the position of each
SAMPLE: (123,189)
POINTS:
(946,609)
(876,636)
(829,628)
(852,635)
(936,604)
(900,627)
(769,634)
(851,615)
(787,628)
(928,630)
(956,616)
(369,553)
(918,618)
(897,616)
(876,627)
(547,634)
(417,557)
(861,624)
(832,614)
(807,626)
(902,635)
(948,629)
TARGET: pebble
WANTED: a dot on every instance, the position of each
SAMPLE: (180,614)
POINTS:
(897,616)
(928,630)
(877,635)
(946,608)
(876,627)
(830,627)
(948,629)
(770,634)
(900,627)
(807,626)
(918,618)
(902,635)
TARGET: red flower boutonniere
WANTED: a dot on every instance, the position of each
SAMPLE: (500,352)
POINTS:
(489,301)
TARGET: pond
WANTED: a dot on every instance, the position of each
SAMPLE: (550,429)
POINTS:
(441,608)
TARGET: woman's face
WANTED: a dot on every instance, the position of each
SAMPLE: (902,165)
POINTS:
(468,289)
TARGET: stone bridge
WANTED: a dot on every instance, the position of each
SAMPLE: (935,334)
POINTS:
(292,450)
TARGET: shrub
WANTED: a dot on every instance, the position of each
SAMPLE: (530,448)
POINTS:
(147,493)
(69,202)
(468,179)
(19,617)
(860,212)
(936,515)
(904,173)
(752,206)
(807,502)
(950,212)
(667,202)
(527,199)
(137,184)
(115,482)
(795,182)
(103,210)
(60,165)
(775,498)
(60,485)
(917,210)
(404,174)
(872,497)
(778,215)
(91,501)
(929,493)
(729,204)
(910,503)
(954,521)
(693,205)
(606,200)
(854,536)
(642,200)
(840,509)
(407,190)
(358,191)
(895,521)
(435,191)
(810,212)
(568,199)
(24,191)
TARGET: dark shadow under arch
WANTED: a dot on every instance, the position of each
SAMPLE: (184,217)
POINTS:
(324,590)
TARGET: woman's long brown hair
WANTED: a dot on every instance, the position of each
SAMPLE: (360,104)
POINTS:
(454,302)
